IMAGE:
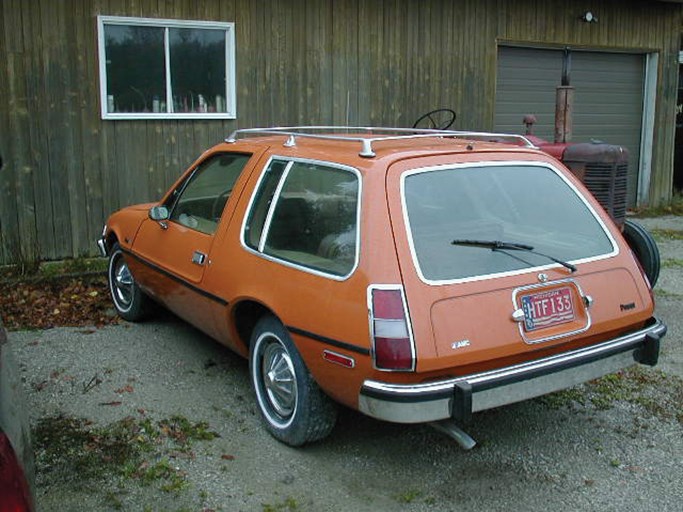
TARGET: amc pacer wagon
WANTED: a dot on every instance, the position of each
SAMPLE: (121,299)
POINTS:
(413,275)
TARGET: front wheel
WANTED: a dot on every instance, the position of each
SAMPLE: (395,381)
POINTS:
(294,409)
(130,302)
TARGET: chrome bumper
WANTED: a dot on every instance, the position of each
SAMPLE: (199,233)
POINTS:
(459,397)
(102,245)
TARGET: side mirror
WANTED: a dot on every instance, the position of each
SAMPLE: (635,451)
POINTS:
(158,213)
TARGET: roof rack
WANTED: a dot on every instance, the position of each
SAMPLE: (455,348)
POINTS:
(374,134)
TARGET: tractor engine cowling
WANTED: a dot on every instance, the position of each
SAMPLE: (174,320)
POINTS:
(603,168)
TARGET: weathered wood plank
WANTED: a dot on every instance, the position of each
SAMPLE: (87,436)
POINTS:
(90,124)
(19,117)
(71,122)
(37,158)
(60,136)
(9,226)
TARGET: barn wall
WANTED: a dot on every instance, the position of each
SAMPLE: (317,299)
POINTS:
(357,62)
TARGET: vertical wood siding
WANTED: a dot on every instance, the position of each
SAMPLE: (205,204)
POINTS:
(357,62)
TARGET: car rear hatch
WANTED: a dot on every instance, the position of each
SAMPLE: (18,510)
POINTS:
(502,258)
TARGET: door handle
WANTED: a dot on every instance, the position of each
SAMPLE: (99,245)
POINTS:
(198,258)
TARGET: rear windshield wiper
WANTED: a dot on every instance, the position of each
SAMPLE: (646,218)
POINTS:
(499,245)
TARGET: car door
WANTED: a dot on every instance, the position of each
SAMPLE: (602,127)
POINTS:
(176,250)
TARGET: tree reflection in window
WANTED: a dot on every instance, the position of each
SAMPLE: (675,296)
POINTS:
(198,70)
(136,75)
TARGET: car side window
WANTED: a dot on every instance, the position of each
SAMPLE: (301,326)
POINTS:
(199,202)
(306,213)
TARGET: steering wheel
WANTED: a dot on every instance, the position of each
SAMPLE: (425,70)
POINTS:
(219,204)
(439,119)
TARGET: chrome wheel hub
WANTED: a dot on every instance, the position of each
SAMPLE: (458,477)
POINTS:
(279,379)
(123,283)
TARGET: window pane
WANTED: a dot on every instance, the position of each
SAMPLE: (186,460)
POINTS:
(203,199)
(262,202)
(528,205)
(314,222)
(198,70)
(136,80)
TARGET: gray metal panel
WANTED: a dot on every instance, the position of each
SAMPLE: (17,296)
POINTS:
(609,103)
(608,97)
(525,84)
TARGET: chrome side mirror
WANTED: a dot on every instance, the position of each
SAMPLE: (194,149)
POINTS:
(158,213)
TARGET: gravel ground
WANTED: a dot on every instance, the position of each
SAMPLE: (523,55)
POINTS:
(565,452)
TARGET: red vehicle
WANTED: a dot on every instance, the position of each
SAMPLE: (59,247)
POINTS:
(16,455)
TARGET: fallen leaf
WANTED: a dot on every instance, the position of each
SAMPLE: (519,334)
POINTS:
(40,386)
(125,389)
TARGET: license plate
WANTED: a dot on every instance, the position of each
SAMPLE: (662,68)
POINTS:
(548,308)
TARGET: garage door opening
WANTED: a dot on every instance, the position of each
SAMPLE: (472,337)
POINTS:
(609,97)
(678,151)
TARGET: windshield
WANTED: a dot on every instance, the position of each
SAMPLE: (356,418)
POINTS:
(525,204)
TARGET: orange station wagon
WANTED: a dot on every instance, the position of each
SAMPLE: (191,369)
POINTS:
(417,276)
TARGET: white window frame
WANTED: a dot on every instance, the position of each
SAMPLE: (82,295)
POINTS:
(166,24)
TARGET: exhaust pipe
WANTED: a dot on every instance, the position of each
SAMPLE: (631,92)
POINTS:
(452,430)
(564,102)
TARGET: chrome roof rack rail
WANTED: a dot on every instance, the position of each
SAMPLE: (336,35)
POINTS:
(374,134)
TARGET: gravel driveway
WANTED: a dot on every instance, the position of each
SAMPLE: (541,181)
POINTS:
(613,445)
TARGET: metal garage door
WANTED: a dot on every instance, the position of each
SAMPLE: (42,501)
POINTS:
(608,97)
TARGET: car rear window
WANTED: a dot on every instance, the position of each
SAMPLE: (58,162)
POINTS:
(525,204)
(306,213)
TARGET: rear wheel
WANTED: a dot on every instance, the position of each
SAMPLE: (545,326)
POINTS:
(294,409)
(130,302)
(644,247)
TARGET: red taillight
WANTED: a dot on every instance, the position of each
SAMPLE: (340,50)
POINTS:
(14,491)
(392,340)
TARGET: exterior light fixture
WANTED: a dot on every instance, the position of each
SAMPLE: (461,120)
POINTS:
(589,17)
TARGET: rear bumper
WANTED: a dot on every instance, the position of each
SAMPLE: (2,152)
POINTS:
(459,397)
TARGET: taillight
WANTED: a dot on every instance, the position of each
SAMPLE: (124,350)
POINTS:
(14,490)
(392,341)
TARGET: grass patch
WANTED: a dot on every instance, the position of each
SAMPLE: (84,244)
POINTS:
(658,393)
(289,504)
(664,235)
(76,450)
(564,398)
(675,207)
(409,496)
(672,263)
(664,294)
(48,270)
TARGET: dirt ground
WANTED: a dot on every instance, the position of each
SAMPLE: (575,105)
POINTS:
(156,416)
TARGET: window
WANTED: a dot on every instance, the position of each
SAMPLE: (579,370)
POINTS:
(156,69)
(306,213)
(522,204)
(198,203)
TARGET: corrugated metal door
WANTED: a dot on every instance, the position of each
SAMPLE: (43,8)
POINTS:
(608,97)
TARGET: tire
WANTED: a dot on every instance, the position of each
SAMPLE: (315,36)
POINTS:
(645,248)
(130,302)
(293,408)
